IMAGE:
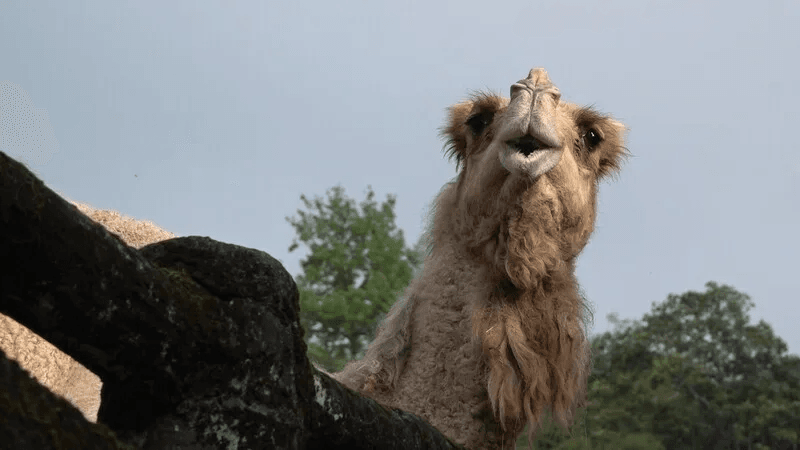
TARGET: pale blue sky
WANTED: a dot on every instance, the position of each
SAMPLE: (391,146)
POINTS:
(212,120)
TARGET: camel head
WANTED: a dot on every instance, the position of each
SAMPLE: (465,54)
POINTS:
(526,194)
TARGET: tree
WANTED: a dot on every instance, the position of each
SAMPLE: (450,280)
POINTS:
(728,367)
(693,373)
(705,376)
(357,267)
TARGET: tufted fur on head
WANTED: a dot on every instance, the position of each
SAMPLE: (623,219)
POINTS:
(493,330)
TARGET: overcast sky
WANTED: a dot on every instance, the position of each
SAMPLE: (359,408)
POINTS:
(212,120)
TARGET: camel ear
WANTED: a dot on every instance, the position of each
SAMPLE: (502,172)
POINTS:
(612,151)
(455,131)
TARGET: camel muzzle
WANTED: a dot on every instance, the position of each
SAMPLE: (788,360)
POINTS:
(532,114)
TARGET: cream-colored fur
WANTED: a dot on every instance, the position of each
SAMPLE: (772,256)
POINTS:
(54,369)
(492,331)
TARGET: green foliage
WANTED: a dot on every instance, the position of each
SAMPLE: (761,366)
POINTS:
(552,437)
(693,373)
(580,437)
(357,267)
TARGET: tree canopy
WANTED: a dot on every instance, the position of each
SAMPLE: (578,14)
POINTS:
(357,267)
(693,373)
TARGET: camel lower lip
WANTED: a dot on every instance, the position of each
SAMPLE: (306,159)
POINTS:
(521,150)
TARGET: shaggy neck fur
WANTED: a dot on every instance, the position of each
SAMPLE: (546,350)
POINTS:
(530,248)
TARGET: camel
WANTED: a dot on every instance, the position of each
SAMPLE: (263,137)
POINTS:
(51,367)
(493,330)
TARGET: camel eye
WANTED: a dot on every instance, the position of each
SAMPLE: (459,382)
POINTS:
(592,138)
(478,122)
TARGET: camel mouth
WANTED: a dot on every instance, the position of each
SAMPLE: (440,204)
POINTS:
(526,144)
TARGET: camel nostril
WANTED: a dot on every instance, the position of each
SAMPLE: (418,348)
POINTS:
(526,144)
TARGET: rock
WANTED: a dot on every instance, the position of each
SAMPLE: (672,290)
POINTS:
(197,342)
(35,418)
(51,367)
